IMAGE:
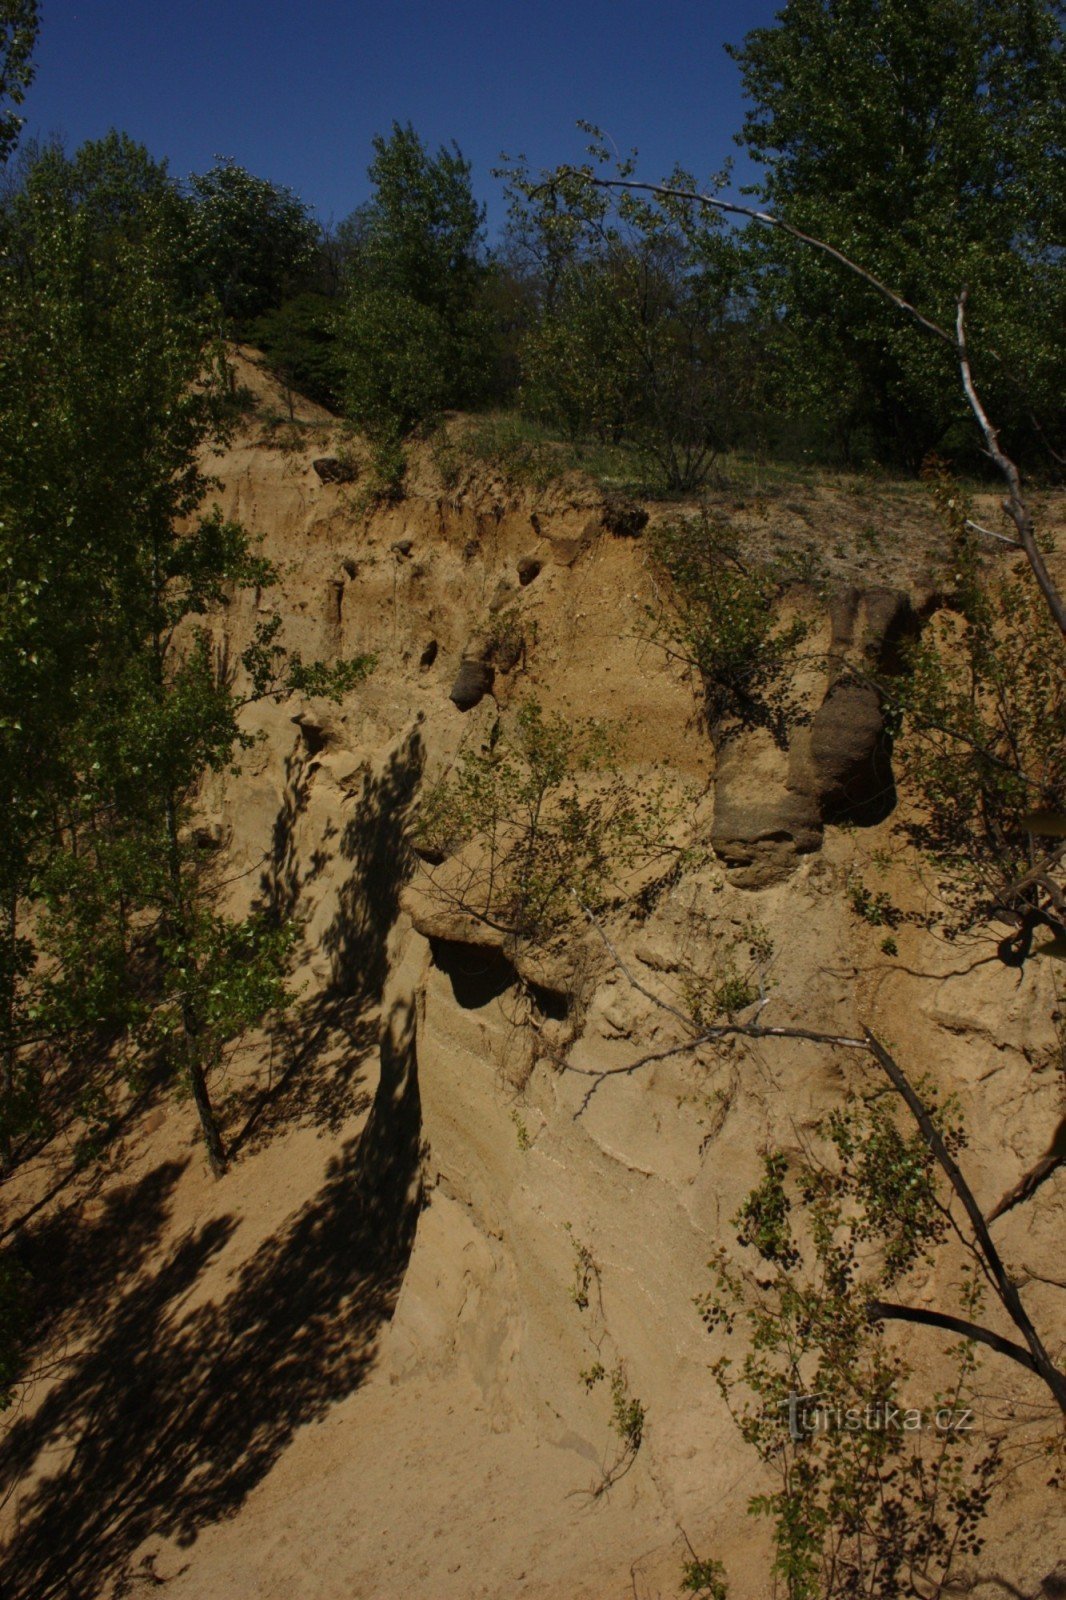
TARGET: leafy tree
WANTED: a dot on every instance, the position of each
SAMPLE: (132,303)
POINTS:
(639,334)
(924,141)
(117,187)
(134,871)
(99,424)
(871,1496)
(299,340)
(422,230)
(112,702)
(983,704)
(251,242)
(414,336)
(19,22)
(723,614)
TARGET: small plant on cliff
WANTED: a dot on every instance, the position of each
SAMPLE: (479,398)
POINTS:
(983,705)
(539,823)
(724,613)
(870,1495)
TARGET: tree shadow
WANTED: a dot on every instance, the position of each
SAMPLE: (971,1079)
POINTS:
(325,1042)
(376,841)
(73,1262)
(175,1414)
(283,882)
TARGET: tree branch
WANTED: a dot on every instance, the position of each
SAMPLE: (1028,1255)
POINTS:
(733,208)
(885,1311)
(1005,1286)
(1014,505)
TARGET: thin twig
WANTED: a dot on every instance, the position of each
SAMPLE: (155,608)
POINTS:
(990,533)
(655,999)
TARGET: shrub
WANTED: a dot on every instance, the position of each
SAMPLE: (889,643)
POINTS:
(863,1499)
(539,823)
(725,617)
(983,705)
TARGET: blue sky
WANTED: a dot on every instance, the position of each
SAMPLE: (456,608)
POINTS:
(296,92)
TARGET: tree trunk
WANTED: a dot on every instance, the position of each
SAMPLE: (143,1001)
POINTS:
(216,1150)
(8,1053)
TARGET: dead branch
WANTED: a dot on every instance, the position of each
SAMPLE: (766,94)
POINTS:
(1053,1158)
(734,208)
(1014,505)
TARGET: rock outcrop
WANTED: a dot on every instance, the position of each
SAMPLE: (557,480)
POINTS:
(772,802)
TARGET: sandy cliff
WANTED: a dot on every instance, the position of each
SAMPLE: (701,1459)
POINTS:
(350,1370)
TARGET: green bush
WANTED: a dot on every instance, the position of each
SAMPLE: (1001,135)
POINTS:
(724,614)
(299,341)
(546,821)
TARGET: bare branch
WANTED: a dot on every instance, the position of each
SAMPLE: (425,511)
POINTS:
(990,533)
(655,999)
(725,1030)
(1005,1286)
(1014,505)
(885,1311)
(733,208)
(1053,1158)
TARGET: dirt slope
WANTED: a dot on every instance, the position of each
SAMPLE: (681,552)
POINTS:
(350,1370)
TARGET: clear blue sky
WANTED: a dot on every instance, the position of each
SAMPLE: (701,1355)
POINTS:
(295,92)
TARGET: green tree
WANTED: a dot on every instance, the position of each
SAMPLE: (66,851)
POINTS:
(99,425)
(542,823)
(19,22)
(113,706)
(870,1496)
(299,340)
(414,335)
(132,889)
(251,242)
(924,141)
(639,334)
(722,613)
(983,706)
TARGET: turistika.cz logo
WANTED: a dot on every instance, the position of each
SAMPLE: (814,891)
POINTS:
(810,1414)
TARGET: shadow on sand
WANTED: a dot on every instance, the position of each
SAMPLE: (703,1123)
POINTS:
(169,1411)
(168,1417)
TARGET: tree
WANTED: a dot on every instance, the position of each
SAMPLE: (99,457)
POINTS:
(251,242)
(871,1495)
(521,835)
(638,335)
(131,869)
(299,340)
(99,426)
(113,705)
(414,338)
(722,618)
(926,142)
(982,702)
(19,22)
